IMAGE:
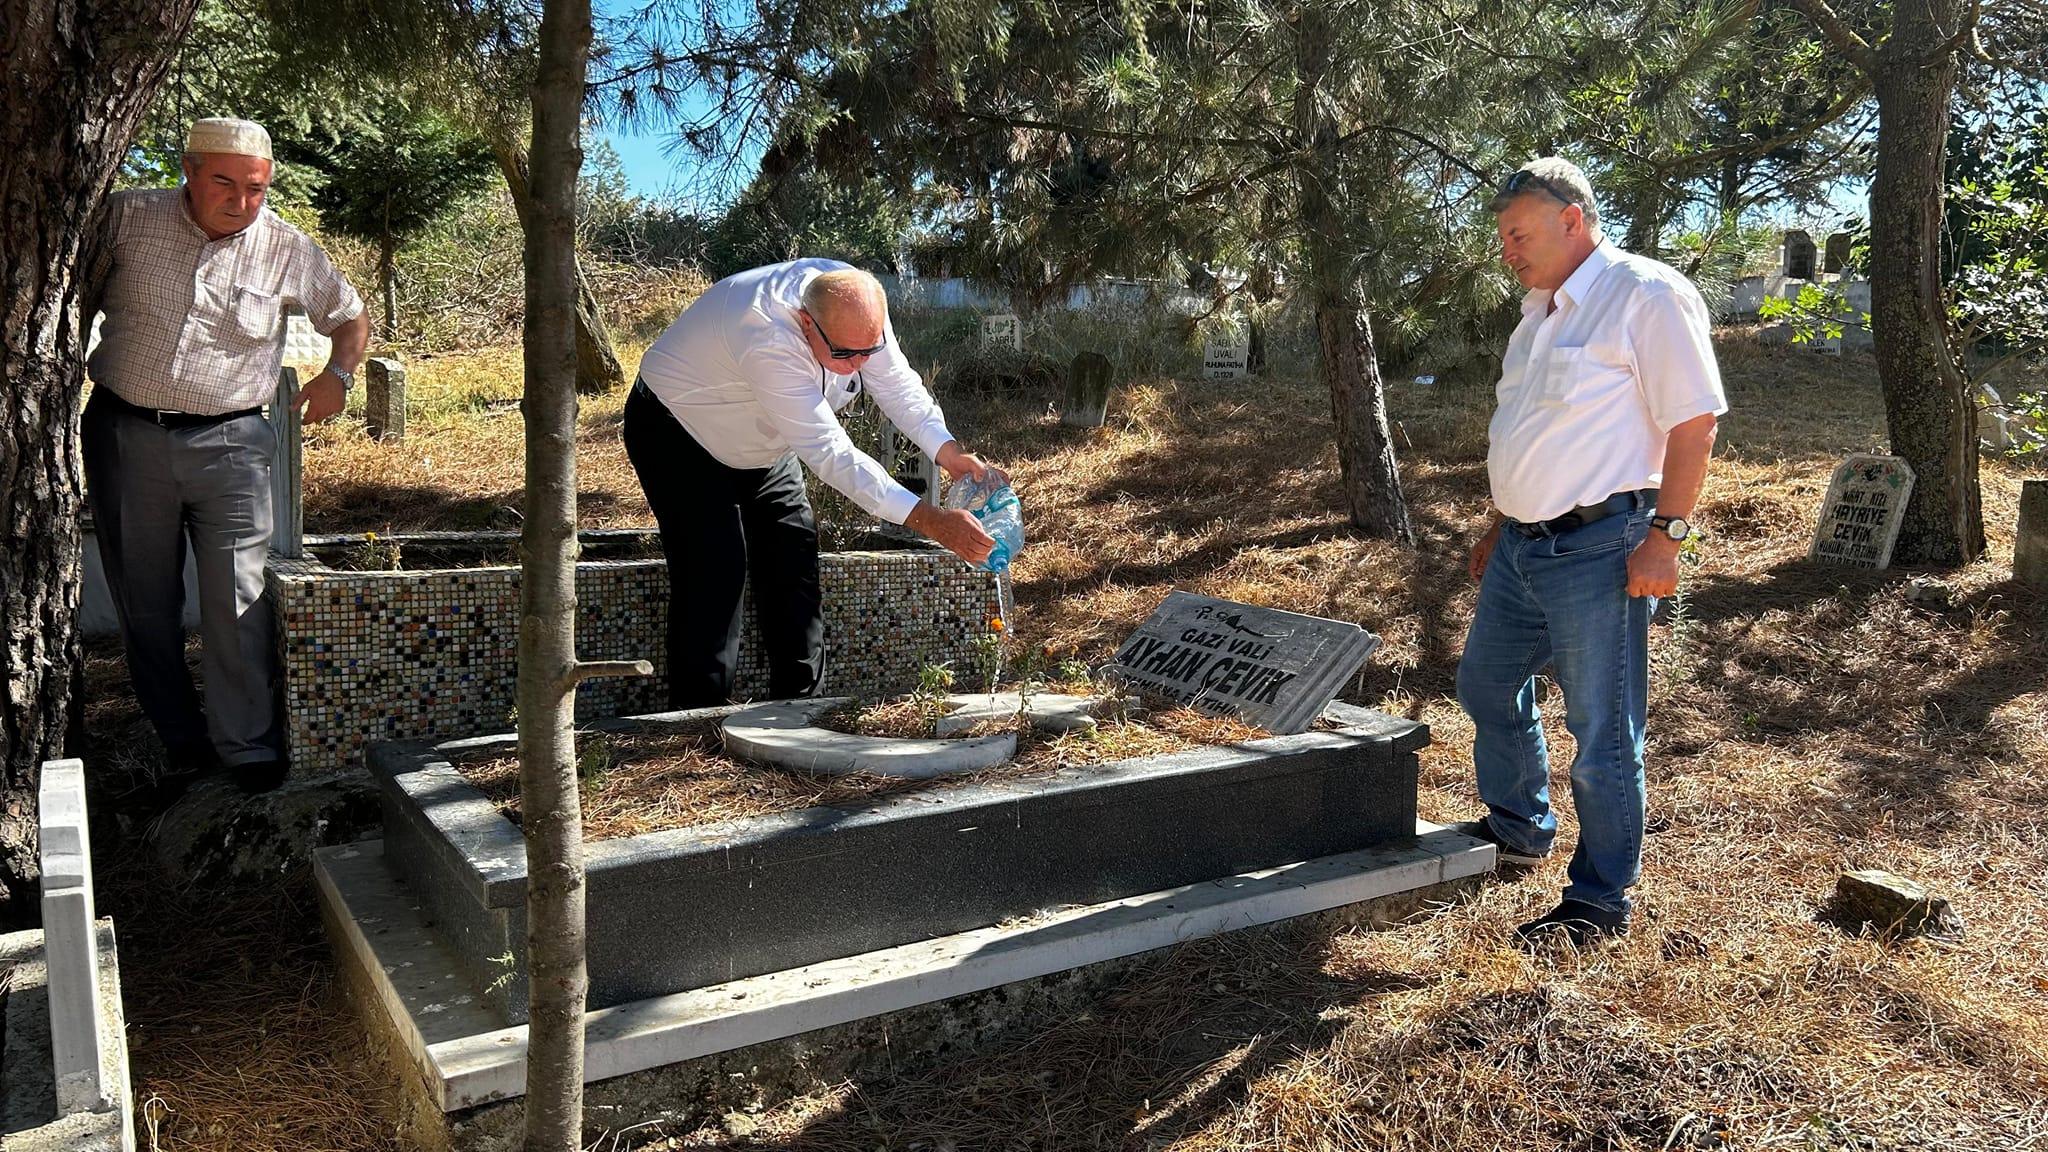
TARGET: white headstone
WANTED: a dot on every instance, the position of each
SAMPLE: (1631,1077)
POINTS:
(1002,330)
(1865,506)
(1276,669)
(1226,360)
(70,945)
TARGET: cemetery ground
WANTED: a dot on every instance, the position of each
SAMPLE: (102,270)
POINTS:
(1804,720)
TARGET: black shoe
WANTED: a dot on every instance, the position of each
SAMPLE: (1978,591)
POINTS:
(183,764)
(1503,852)
(260,776)
(1575,924)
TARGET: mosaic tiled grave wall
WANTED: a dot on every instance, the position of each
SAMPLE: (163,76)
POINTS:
(384,655)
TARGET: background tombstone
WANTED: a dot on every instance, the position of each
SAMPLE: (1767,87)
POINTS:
(1865,505)
(1276,669)
(2030,547)
(1835,257)
(1226,359)
(1002,330)
(1086,404)
(384,399)
(1799,255)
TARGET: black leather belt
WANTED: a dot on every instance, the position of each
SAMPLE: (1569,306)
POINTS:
(168,419)
(1585,514)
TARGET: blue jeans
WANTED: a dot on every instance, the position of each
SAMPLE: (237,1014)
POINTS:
(1563,601)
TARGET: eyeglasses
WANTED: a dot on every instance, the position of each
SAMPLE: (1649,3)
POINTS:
(839,353)
(1523,178)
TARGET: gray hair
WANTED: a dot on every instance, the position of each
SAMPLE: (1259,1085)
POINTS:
(1552,176)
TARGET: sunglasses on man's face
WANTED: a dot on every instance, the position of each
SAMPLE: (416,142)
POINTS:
(837,352)
(1523,179)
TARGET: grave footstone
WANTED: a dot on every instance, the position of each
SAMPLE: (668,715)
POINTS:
(1226,359)
(1086,404)
(1799,255)
(70,943)
(2030,547)
(384,399)
(1002,330)
(1865,505)
(1272,668)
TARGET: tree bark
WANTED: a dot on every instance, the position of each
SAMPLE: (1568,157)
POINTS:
(387,282)
(597,365)
(1350,369)
(1928,411)
(553,814)
(1932,422)
(78,78)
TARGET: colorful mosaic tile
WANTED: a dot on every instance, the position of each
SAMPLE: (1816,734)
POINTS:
(385,655)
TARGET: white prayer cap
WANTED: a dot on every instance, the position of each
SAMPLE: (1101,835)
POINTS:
(225,134)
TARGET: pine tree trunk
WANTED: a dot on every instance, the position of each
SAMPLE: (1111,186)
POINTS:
(1365,451)
(597,365)
(78,78)
(1932,422)
(552,820)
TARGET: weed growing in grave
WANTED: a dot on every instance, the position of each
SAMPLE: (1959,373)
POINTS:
(373,554)
(594,760)
(988,653)
(934,682)
(503,960)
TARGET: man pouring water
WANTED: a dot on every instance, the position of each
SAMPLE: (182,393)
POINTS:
(740,389)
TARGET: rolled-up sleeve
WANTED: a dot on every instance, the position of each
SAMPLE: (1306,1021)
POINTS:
(1671,339)
(786,385)
(320,289)
(902,396)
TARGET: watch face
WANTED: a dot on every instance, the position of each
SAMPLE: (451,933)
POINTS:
(1677,529)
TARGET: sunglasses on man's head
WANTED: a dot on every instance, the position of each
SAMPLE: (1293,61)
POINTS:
(1523,178)
(839,353)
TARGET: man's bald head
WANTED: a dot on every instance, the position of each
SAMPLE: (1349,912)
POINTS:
(849,304)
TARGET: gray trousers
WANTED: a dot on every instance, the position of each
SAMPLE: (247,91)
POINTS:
(151,488)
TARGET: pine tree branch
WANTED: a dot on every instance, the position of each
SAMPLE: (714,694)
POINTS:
(1837,30)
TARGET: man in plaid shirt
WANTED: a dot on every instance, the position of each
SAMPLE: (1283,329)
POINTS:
(194,282)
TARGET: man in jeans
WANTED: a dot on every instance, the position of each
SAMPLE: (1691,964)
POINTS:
(1604,425)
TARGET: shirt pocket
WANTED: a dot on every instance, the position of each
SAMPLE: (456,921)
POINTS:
(256,315)
(1583,375)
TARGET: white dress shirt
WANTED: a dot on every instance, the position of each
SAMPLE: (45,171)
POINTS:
(736,371)
(1589,391)
(197,325)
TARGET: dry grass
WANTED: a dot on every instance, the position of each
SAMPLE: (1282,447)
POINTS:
(638,782)
(1806,719)
(239,1038)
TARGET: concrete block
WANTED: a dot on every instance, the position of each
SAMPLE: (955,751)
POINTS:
(69,948)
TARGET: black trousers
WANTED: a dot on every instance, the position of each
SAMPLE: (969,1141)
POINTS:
(721,529)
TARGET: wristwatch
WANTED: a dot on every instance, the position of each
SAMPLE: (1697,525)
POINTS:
(347,378)
(1676,527)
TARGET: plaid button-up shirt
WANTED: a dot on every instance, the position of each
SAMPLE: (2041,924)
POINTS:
(197,325)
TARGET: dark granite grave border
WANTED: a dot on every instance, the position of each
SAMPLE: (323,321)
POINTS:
(688,908)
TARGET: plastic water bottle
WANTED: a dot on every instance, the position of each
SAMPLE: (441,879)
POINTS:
(995,504)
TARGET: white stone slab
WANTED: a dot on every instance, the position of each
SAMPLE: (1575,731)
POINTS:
(466,1070)
(1223,360)
(29,1120)
(1002,330)
(1863,511)
(77,1041)
(783,734)
(1047,711)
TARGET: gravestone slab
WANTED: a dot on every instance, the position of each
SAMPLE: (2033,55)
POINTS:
(1002,330)
(1086,404)
(1272,668)
(1800,258)
(2030,546)
(1865,505)
(1223,360)
(384,399)
(1835,256)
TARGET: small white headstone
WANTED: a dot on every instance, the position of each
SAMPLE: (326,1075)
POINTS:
(1865,506)
(70,943)
(1223,360)
(1002,330)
